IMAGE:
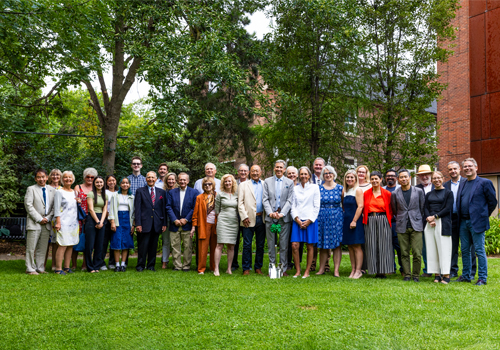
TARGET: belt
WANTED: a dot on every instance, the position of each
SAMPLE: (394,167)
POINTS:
(377,214)
(259,214)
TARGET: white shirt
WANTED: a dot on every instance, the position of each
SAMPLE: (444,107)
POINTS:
(197,186)
(47,200)
(306,202)
(182,195)
(454,188)
(427,188)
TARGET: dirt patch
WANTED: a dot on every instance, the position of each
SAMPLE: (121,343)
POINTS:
(308,307)
(12,248)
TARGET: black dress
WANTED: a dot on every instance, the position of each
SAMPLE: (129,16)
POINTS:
(440,202)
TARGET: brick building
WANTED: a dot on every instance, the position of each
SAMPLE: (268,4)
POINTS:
(469,112)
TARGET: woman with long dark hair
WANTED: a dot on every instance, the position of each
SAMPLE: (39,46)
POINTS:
(94,228)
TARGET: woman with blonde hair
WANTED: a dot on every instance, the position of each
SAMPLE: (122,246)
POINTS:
(226,209)
(363,174)
(354,231)
(169,183)
(205,219)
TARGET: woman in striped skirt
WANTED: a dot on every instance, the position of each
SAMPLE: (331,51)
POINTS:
(377,212)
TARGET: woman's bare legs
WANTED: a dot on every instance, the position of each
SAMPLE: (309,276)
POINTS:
(310,253)
(337,258)
(218,254)
(295,252)
(323,258)
(230,255)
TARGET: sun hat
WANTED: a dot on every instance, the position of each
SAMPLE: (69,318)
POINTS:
(424,169)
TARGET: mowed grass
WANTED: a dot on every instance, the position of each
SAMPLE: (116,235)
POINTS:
(167,310)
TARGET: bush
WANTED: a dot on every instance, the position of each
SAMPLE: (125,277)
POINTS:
(492,237)
(8,186)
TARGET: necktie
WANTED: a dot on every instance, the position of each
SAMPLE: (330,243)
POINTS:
(44,199)
(153,195)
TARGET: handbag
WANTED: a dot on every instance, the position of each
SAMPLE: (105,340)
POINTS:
(82,215)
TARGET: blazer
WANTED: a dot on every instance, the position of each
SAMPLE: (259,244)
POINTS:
(247,204)
(174,207)
(444,213)
(413,212)
(113,209)
(314,179)
(200,215)
(482,203)
(368,196)
(269,197)
(150,217)
(35,207)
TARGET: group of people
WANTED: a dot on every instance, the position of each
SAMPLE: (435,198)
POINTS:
(289,209)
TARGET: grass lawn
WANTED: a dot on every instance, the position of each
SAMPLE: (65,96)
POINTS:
(167,309)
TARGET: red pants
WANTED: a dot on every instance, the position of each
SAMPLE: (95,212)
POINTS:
(203,244)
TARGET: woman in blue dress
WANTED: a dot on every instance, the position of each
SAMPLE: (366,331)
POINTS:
(330,220)
(354,232)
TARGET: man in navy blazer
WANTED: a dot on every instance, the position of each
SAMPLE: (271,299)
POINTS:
(453,185)
(476,200)
(150,220)
(180,207)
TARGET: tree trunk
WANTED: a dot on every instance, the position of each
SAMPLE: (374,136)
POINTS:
(110,132)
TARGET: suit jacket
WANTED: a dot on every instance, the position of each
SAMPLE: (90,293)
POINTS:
(482,202)
(314,179)
(413,212)
(447,184)
(35,207)
(269,197)
(247,204)
(148,215)
(174,207)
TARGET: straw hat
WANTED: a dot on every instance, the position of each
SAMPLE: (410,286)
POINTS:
(424,169)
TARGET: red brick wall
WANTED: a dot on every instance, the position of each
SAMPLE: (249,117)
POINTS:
(453,113)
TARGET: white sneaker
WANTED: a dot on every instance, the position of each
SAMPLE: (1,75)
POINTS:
(111,267)
(103,268)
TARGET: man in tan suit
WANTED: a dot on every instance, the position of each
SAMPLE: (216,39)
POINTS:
(39,204)
(251,212)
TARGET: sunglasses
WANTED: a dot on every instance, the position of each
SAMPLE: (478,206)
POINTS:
(90,177)
(207,184)
(136,164)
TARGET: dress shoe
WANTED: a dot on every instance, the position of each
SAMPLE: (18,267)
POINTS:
(461,279)
(258,271)
(176,269)
(285,274)
(123,268)
(480,282)
(139,269)
(185,270)
(151,269)
(118,268)
(426,275)
(407,279)
(415,279)
(454,275)
(246,272)
(234,268)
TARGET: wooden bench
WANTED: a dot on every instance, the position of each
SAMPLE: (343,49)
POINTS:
(16,227)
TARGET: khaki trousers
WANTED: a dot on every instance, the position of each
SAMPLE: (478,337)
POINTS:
(36,246)
(175,241)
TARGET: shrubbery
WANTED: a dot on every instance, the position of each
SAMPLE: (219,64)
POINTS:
(492,237)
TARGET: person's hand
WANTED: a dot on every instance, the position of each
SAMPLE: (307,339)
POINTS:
(57,227)
(297,220)
(183,222)
(246,222)
(430,219)
(306,223)
(44,221)
(132,230)
(352,226)
(192,232)
(138,229)
(99,226)
(113,227)
(177,223)
(163,228)
(78,200)
(433,224)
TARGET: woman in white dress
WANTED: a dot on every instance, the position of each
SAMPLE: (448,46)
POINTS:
(67,229)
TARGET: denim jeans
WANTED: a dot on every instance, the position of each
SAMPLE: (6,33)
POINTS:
(468,237)
(396,248)
(260,238)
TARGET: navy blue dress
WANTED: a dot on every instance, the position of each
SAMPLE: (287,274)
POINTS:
(356,236)
(330,218)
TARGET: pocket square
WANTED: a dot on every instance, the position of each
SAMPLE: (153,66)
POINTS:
(161,197)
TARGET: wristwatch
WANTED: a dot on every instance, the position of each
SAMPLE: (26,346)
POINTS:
(436,216)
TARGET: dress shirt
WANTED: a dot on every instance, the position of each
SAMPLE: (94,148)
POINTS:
(182,193)
(306,202)
(46,197)
(454,188)
(277,191)
(198,187)
(258,190)
(317,180)
(159,183)
(427,188)
(136,182)
(154,190)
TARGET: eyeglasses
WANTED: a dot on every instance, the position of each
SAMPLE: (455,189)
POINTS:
(207,184)
(90,177)
(325,174)
(136,164)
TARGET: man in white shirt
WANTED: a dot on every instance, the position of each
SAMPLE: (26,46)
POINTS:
(162,172)
(242,177)
(424,175)
(210,170)
(39,204)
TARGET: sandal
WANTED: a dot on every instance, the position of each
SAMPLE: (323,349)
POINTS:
(437,279)
(68,270)
(60,272)
(445,280)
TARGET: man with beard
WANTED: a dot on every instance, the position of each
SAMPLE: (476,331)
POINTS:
(424,175)
(392,185)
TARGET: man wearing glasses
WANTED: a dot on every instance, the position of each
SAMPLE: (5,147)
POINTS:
(392,185)
(136,179)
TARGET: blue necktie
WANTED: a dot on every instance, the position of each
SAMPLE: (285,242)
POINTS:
(44,199)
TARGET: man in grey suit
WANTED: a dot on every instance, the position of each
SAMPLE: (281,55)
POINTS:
(39,204)
(408,205)
(277,201)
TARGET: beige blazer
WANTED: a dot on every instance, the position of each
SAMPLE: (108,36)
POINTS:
(35,207)
(247,205)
